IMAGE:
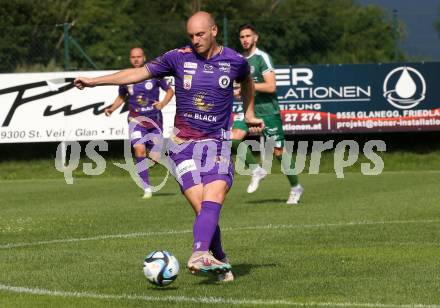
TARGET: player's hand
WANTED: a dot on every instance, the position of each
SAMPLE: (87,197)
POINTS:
(255,125)
(237,90)
(237,93)
(158,105)
(108,112)
(83,82)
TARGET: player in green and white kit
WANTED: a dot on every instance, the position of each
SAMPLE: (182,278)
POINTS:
(266,108)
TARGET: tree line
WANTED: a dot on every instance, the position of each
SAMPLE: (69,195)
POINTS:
(292,31)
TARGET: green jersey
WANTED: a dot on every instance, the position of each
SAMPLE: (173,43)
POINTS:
(265,103)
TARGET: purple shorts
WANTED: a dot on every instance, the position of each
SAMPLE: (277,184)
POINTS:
(204,161)
(147,133)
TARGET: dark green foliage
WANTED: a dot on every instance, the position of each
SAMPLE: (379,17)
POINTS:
(293,31)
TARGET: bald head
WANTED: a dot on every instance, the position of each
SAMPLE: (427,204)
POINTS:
(201,18)
(137,57)
(202,31)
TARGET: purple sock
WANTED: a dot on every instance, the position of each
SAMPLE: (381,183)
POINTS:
(205,225)
(216,245)
(141,166)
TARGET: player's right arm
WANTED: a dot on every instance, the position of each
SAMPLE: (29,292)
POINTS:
(268,85)
(127,76)
(116,104)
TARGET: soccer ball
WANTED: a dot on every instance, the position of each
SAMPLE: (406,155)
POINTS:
(161,268)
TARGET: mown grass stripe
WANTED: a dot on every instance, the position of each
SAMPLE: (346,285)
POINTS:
(224,229)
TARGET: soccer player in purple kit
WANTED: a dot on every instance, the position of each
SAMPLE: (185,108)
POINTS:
(143,99)
(204,73)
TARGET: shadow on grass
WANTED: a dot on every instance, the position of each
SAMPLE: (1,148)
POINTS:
(239,271)
(164,194)
(265,201)
(162,289)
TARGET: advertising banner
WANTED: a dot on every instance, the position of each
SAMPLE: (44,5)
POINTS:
(43,107)
(315,99)
(358,98)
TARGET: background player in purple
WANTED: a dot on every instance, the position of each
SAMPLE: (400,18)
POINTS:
(143,99)
(204,73)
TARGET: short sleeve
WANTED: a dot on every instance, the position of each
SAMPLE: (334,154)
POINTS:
(163,65)
(266,63)
(123,90)
(243,70)
(163,83)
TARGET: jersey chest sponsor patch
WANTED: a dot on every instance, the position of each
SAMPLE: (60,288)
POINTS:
(224,81)
(190,65)
(187,82)
(148,85)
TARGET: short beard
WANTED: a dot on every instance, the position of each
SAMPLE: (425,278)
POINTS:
(249,48)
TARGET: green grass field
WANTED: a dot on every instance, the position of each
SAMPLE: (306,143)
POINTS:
(361,241)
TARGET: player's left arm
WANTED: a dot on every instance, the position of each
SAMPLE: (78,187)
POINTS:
(167,98)
(169,93)
(269,84)
(256,125)
(116,104)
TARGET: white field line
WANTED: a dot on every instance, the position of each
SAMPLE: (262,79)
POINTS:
(201,300)
(224,229)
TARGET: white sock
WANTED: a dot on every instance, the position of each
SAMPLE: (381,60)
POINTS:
(257,170)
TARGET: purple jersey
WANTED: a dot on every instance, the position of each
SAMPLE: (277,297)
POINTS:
(142,95)
(204,89)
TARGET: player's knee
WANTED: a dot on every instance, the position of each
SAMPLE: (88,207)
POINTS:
(278,151)
(140,151)
(216,193)
(238,134)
